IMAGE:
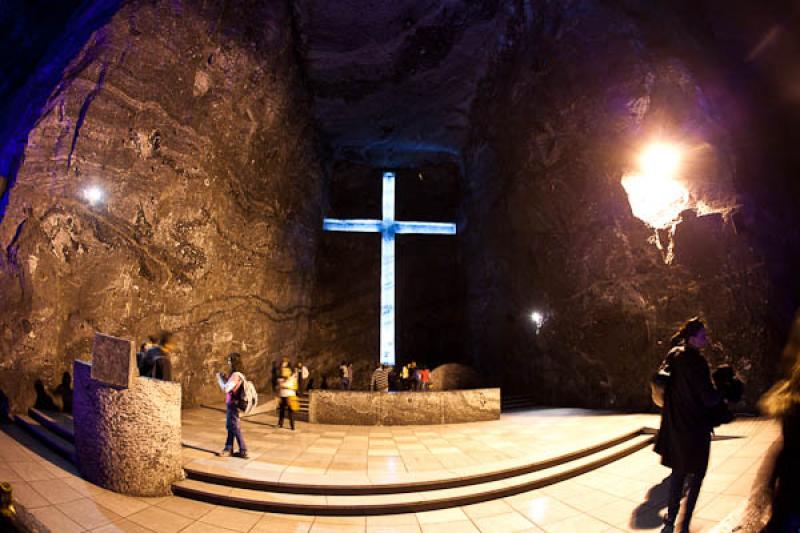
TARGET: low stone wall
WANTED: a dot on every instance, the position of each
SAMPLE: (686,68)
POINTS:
(403,408)
(128,439)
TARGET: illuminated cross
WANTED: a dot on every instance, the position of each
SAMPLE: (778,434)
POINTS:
(388,227)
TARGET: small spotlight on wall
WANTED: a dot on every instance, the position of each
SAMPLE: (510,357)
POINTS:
(538,320)
(93,195)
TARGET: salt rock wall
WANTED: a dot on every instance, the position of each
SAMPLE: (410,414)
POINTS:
(192,119)
(582,88)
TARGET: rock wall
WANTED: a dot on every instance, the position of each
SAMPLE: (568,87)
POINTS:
(128,440)
(582,87)
(191,118)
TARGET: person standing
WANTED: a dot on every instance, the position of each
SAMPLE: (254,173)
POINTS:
(287,385)
(156,362)
(233,387)
(425,378)
(380,379)
(302,375)
(344,376)
(349,375)
(782,402)
(684,438)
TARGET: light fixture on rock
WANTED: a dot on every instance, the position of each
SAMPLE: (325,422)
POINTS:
(93,194)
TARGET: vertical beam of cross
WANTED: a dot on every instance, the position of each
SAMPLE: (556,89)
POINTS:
(388,227)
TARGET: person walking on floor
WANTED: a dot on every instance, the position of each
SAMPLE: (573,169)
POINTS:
(684,438)
(287,385)
(233,387)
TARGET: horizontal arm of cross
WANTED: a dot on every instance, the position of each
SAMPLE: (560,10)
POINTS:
(356,224)
(429,228)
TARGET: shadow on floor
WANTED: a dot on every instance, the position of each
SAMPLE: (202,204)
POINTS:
(648,514)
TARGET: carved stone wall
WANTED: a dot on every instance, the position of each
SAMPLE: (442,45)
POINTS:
(403,408)
(191,118)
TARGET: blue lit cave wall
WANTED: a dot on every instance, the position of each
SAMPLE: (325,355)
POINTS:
(193,119)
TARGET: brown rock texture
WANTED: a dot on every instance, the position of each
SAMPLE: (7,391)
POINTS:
(581,91)
(128,440)
(192,120)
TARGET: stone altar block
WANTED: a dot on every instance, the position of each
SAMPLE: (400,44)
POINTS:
(127,439)
(113,360)
(403,408)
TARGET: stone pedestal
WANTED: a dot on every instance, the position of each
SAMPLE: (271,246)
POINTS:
(403,408)
(128,439)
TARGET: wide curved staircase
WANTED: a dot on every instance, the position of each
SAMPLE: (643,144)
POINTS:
(338,495)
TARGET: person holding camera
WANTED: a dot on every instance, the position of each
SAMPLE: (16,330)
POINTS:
(233,387)
(684,438)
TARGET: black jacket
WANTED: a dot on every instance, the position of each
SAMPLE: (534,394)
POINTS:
(684,439)
(156,364)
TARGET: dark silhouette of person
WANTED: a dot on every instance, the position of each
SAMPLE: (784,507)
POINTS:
(156,362)
(5,408)
(684,438)
(274,375)
(43,400)
(783,402)
(64,390)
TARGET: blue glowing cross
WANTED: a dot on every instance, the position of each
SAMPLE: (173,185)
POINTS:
(388,227)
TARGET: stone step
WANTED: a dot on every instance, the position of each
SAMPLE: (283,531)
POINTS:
(331,484)
(59,423)
(44,435)
(404,502)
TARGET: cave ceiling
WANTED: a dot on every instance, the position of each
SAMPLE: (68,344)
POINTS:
(393,82)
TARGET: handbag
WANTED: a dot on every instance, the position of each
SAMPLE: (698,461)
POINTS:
(658,386)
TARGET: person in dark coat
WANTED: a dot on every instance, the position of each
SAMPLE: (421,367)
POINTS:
(156,362)
(684,438)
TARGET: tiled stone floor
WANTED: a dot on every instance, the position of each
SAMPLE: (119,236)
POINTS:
(326,454)
(627,495)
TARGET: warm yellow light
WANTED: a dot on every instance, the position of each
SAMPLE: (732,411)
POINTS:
(660,160)
(656,197)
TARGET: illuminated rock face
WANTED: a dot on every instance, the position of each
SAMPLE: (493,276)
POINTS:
(518,120)
(570,108)
(194,124)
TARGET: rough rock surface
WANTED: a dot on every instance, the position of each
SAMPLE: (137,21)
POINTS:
(191,118)
(455,376)
(403,408)
(524,114)
(550,227)
(128,440)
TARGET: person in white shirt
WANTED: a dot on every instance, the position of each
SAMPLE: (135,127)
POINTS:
(287,387)
(233,386)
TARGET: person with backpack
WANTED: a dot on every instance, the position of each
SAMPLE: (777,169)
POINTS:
(156,361)
(233,385)
(684,438)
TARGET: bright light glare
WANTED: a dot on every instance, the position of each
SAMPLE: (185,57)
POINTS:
(660,160)
(656,197)
(538,319)
(93,194)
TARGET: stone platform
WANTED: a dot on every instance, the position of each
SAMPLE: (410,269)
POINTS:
(364,408)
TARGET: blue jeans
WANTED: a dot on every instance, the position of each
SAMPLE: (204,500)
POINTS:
(234,427)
